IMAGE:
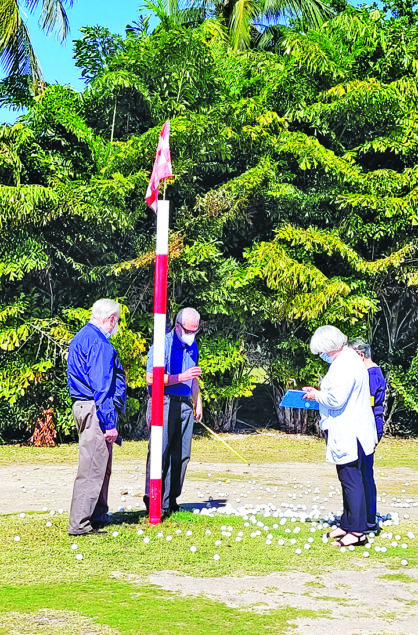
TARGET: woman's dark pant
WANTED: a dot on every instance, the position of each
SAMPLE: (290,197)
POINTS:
(354,517)
(370,491)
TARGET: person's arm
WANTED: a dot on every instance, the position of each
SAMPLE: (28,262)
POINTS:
(337,392)
(169,380)
(197,400)
(119,397)
(100,372)
(377,390)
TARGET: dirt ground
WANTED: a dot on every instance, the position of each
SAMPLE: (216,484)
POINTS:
(359,602)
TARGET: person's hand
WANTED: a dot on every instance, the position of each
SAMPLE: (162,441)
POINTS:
(198,411)
(310,393)
(111,435)
(190,373)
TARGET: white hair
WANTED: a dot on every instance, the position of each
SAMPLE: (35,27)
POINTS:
(327,338)
(103,309)
(188,314)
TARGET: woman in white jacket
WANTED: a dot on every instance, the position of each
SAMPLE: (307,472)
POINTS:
(348,423)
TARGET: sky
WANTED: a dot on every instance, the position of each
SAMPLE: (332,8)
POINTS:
(55,58)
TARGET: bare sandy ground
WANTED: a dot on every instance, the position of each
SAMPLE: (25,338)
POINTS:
(32,487)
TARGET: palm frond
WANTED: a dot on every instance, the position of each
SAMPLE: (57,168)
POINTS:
(54,17)
(242,16)
(312,12)
(18,57)
(9,21)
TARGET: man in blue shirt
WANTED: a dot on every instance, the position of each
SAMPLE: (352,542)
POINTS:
(181,396)
(97,386)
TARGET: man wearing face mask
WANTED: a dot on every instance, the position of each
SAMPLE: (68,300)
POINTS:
(181,398)
(97,386)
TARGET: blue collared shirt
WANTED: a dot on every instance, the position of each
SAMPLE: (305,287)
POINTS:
(178,358)
(94,373)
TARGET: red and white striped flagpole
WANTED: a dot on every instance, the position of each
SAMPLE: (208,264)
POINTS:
(157,401)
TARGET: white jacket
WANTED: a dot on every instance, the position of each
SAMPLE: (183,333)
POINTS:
(345,408)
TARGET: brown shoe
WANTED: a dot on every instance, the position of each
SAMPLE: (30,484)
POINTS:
(89,533)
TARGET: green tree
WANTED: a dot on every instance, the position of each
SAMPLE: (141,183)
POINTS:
(17,56)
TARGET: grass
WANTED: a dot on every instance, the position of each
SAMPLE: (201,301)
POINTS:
(264,447)
(46,589)
(143,609)
(110,583)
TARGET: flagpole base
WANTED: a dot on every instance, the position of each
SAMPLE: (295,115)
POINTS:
(155,501)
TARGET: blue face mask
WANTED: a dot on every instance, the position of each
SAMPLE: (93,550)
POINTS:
(326,358)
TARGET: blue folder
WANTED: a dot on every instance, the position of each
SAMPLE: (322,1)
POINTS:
(293,399)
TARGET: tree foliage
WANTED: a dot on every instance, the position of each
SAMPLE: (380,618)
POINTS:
(294,204)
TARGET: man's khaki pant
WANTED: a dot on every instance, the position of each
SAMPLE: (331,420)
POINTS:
(89,502)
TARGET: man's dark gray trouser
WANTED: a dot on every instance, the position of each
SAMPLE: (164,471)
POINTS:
(89,502)
(177,445)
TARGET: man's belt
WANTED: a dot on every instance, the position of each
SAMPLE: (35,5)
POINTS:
(179,398)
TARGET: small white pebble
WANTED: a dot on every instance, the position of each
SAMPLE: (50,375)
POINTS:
(404,563)
(193,548)
(189,532)
(168,538)
(216,556)
(343,549)
(22,515)
(146,539)
(17,538)
(140,532)
(366,554)
(218,542)
(115,533)
(78,556)
(74,546)
(298,551)
(48,524)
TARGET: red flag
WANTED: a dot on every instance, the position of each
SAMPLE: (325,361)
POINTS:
(162,167)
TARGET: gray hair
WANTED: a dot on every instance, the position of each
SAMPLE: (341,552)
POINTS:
(327,338)
(103,309)
(189,314)
(361,346)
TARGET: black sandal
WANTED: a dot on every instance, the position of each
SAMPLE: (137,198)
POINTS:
(361,540)
(328,534)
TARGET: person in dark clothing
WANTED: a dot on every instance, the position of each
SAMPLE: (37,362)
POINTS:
(377,385)
(182,405)
(97,386)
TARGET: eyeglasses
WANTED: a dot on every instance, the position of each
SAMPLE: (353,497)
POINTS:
(188,331)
